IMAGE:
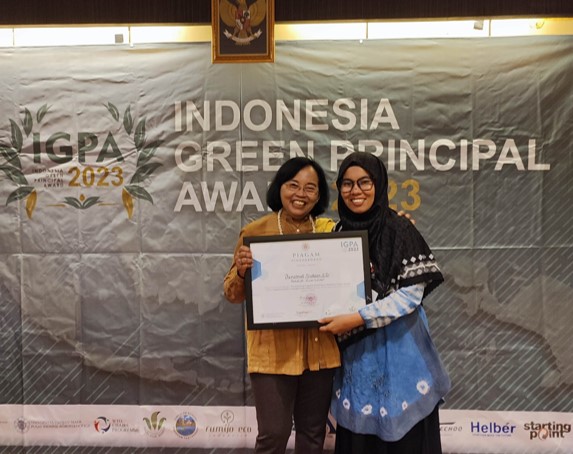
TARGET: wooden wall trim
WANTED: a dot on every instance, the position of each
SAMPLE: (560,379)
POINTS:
(45,12)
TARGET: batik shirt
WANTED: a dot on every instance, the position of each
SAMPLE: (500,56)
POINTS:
(393,378)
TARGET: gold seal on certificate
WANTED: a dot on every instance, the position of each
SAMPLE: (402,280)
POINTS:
(299,279)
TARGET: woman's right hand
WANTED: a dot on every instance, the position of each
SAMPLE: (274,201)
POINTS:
(243,260)
(341,323)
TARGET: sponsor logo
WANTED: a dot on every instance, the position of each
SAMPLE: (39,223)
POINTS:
(154,425)
(227,417)
(185,425)
(226,428)
(102,424)
(21,425)
(450,428)
(120,426)
(492,429)
(547,430)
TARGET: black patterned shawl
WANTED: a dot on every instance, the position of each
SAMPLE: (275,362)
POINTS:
(399,255)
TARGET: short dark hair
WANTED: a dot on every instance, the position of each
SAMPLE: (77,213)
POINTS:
(287,172)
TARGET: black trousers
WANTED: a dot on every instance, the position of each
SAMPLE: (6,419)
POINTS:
(280,399)
(423,438)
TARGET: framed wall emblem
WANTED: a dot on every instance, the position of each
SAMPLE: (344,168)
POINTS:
(243,31)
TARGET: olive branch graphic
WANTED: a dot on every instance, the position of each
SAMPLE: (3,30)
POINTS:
(13,166)
(143,169)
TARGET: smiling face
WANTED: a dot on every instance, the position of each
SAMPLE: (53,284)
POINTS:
(357,190)
(300,194)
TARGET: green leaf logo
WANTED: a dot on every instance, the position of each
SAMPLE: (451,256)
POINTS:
(16,136)
(82,203)
(127,121)
(14,174)
(28,122)
(147,153)
(139,137)
(13,166)
(113,111)
(20,193)
(144,172)
(139,192)
(42,112)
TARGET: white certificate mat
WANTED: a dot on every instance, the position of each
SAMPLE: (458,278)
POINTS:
(299,279)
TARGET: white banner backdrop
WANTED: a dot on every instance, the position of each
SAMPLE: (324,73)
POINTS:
(127,173)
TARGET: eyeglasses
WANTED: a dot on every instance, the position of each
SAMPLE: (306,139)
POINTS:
(365,184)
(309,189)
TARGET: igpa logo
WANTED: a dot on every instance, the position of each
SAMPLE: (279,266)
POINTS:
(81,170)
(350,245)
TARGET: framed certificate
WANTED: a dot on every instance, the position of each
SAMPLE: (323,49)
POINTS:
(298,279)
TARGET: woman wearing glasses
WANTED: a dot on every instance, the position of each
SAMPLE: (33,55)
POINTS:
(386,395)
(291,370)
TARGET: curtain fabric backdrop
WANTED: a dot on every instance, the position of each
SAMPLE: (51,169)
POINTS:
(127,173)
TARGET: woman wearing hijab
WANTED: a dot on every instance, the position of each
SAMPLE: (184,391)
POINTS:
(386,394)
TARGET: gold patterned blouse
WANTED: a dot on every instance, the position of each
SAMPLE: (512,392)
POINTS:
(283,351)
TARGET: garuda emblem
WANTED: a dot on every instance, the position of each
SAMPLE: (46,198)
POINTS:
(242,19)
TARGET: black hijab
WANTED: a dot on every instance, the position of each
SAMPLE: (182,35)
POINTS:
(399,255)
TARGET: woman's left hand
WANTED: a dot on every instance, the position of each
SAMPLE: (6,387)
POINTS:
(341,323)
(407,216)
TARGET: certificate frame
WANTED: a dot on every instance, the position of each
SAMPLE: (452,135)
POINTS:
(256,301)
(242,32)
